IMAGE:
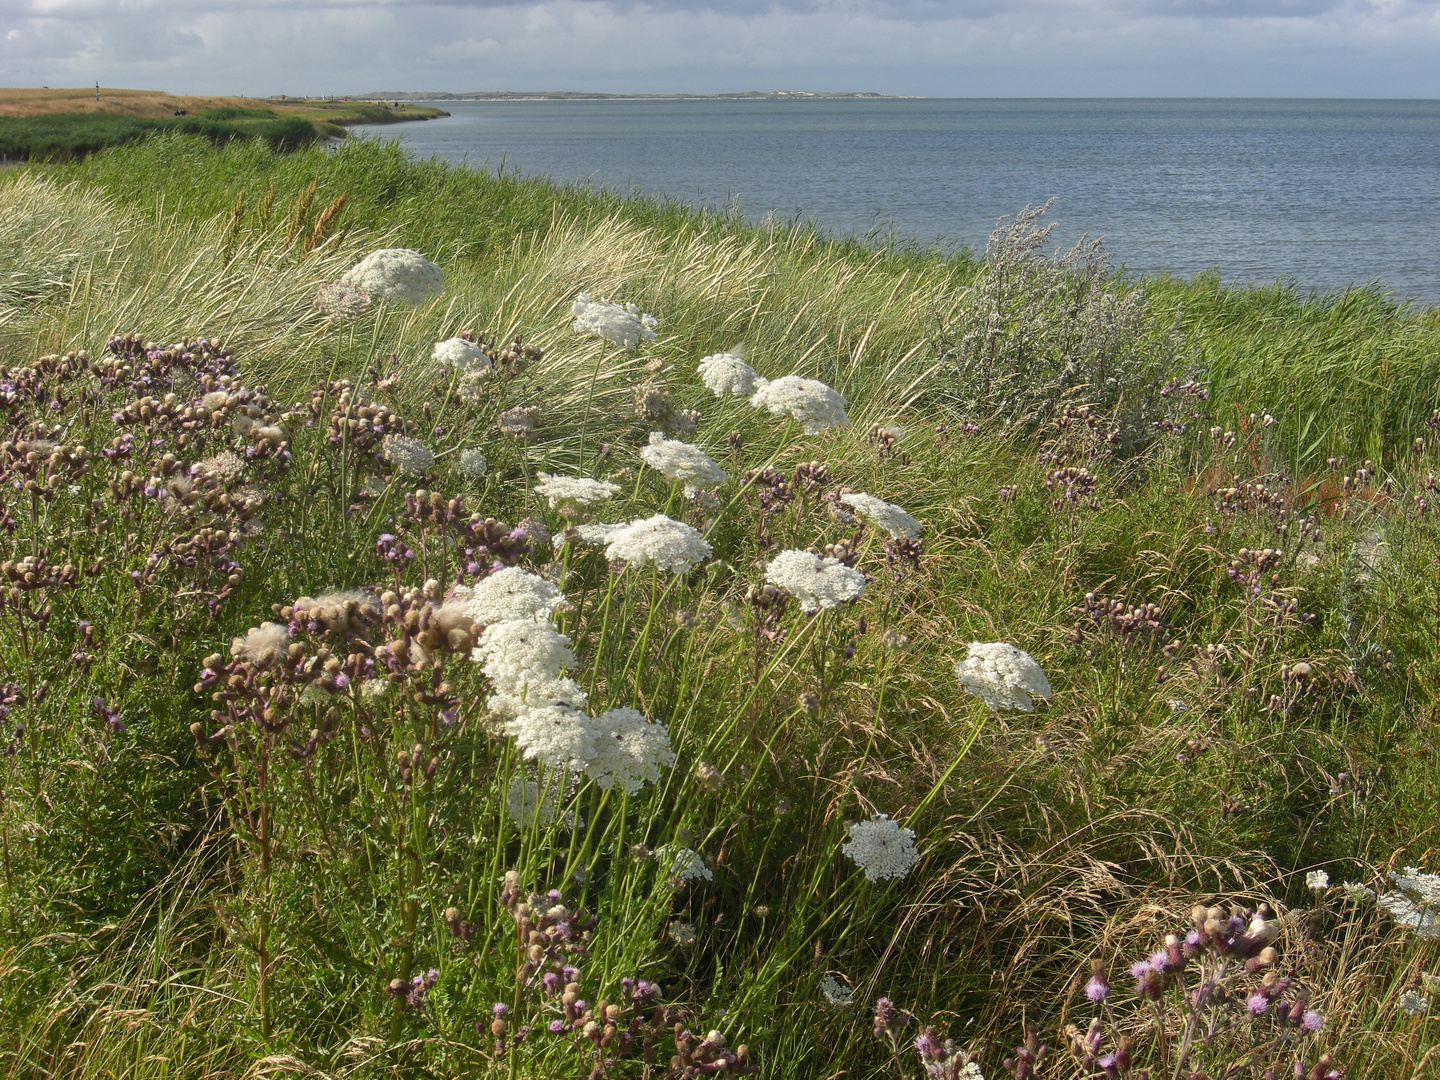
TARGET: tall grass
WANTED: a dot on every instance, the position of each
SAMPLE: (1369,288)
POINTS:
(1166,768)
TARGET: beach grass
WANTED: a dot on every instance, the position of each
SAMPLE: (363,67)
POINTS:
(1272,715)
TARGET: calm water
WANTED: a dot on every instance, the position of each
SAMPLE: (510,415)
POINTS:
(1330,193)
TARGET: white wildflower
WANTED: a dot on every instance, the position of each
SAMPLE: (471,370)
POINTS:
(1002,676)
(314,695)
(374,689)
(620,324)
(598,535)
(683,863)
(1413,1003)
(1416,902)
(261,644)
(406,454)
(521,653)
(669,545)
(812,403)
(461,355)
(509,594)
(682,933)
(473,464)
(836,993)
(555,735)
(881,848)
(576,489)
(1357,892)
(341,300)
(630,750)
(527,805)
(817,583)
(396,274)
(681,463)
(725,373)
(224,466)
(538,693)
(1317,879)
(883,515)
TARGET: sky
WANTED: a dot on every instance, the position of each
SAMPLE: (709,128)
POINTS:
(942,48)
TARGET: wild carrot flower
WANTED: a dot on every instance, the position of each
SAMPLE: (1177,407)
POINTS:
(883,515)
(683,863)
(668,545)
(681,463)
(1002,676)
(815,405)
(1413,1003)
(1317,880)
(881,848)
(1415,901)
(462,356)
(396,274)
(630,750)
(527,805)
(835,992)
(341,300)
(522,652)
(598,534)
(620,324)
(726,373)
(472,463)
(512,593)
(815,582)
(406,454)
(581,490)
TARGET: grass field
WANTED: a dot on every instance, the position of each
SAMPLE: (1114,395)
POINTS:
(1206,512)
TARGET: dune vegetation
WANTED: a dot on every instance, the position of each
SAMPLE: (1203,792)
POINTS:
(349,731)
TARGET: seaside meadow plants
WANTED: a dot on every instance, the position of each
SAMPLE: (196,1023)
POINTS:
(454,625)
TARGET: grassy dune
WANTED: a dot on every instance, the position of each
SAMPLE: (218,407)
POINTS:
(1268,717)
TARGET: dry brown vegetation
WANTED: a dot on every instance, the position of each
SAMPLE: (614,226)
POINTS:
(154,104)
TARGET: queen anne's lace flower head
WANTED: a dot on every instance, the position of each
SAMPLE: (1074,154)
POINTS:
(396,274)
(681,463)
(887,516)
(472,463)
(683,863)
(599,534)
(815,405)
(630,750)
(815,582)
(462,356)
(575,489)
(620,324)
(881,848)
(512,593)
(1413,1003)
(406,454)
(1317,879)
(835,992)
(660,541)
(725,373)
(522,653)
(1002,676)
(526,805)
(558,736)
(341,300)
(1415,902)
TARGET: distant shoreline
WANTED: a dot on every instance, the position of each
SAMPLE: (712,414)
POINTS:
(580,95)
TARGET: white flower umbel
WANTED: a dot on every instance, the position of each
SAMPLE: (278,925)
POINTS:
(881,848)
(581,490)
(815,582)
(1317,879)
(462,356)
(683,863)
(1416,901)
(681,463)
(511,593)
(522,653)
(630,750)
(406,454)
(1414,1003)
(527,805)
(555,735)
(725,373)
(1002,676)
(472,463)
(814,404)
(620,324)
(883,515)
(396,274)
(599,534)
(538,693)
(836,993)
(661,542)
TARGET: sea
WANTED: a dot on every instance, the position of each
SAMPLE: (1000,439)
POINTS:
(1325,194)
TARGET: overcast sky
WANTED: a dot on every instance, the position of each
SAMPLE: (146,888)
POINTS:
(1341,48)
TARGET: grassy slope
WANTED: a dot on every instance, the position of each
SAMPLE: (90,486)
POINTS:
(1079,831)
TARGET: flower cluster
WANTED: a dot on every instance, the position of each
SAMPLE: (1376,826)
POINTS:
(810,402)
(659,541)
(462,355)
(396,274)
(881,848)
(726,373)
(620,324)
(817,583)
(681,463)
(579,490)
(883,515)
(1003,676)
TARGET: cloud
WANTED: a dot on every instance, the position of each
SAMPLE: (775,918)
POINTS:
(956,47)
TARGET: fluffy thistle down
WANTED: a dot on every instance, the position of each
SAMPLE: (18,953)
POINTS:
(1415,903)
(630,750)
(659,541)
(1002,676)
(406,454)
(883,515)
(520,654)
(620,324)
(262,644)
(581,490)
(815,405)
(510,594)
(881,848)
(678,861)
(396,274)
(462,356)
(725,373)
(815,582)
(681,463)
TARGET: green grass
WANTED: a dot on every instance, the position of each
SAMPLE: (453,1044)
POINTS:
(134,895)
(60,136)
